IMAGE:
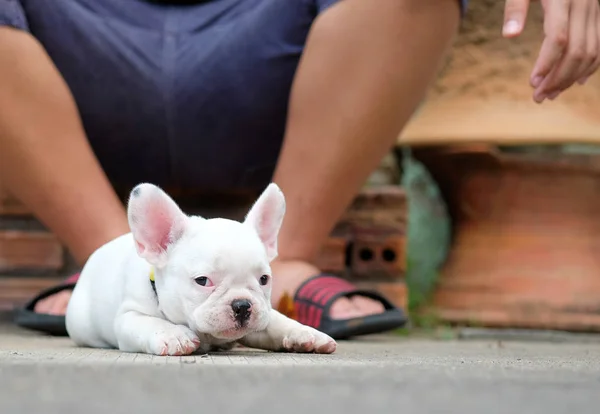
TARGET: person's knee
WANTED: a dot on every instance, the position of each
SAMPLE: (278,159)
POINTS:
(402,8)
(390,13)
(389,26)
(24,61)
(31,85)
(15,41)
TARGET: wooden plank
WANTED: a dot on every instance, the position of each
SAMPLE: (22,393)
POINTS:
(453,122)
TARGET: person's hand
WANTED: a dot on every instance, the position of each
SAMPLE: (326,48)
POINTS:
(570,51)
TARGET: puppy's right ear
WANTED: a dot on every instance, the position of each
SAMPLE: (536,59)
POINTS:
(266,217)
(156,222)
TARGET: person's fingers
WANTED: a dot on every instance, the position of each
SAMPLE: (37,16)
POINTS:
(515,14)
(556,30)
(593,41)
(578,56)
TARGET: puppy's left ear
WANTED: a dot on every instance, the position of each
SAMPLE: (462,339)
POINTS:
(266,216)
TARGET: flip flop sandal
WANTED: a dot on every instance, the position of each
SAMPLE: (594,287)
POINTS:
(315,296)
(54,325)
(313,301)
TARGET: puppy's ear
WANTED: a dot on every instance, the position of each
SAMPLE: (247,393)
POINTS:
(156,222)
(266,216)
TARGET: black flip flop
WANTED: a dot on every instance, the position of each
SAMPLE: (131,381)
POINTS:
(54,325)
(315,296)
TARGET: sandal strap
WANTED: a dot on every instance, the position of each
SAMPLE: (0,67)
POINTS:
(321,288)
(73,278)
(316,295)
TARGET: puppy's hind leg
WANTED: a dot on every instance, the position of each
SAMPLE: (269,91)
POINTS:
(137,332)
(81,327)
(285,334)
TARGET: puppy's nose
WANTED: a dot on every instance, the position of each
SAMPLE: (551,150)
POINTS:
(241,309)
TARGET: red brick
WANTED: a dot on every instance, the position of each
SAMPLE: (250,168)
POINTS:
(29,250)
(375,224)
(332,257)
(378,255)
(15,291)
(383,205)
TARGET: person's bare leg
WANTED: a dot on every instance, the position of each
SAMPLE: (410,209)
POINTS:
(45,159)
(366,66)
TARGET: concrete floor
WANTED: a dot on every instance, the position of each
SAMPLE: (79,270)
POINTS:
(379,374)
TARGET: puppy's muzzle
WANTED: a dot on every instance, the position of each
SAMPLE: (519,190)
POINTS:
(242,309)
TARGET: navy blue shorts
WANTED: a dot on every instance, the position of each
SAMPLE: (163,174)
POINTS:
(188,96)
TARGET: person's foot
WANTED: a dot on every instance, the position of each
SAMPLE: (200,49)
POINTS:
(55,304)
(288,276)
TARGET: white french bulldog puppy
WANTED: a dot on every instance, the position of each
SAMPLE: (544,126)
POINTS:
(178,284)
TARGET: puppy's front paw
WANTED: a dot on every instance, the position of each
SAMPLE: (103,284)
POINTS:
(307,339)
(176,340)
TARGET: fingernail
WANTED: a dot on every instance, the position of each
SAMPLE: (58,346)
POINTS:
(536,81)
(511,27)
(539,97)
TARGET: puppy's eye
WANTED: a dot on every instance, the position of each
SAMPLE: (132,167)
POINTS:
(203,281)
(264,279)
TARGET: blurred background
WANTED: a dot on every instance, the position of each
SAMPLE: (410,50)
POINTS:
(492,200)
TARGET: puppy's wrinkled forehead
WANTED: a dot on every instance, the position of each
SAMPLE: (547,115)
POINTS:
(225,243)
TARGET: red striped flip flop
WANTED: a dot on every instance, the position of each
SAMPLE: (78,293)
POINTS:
(315,296)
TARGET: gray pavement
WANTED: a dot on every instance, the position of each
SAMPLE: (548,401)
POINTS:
(377,374)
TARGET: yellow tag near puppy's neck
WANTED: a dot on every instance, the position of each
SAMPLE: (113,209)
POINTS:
(152,274)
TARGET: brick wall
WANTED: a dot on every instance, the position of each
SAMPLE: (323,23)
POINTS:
(31,258)
(366,247)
